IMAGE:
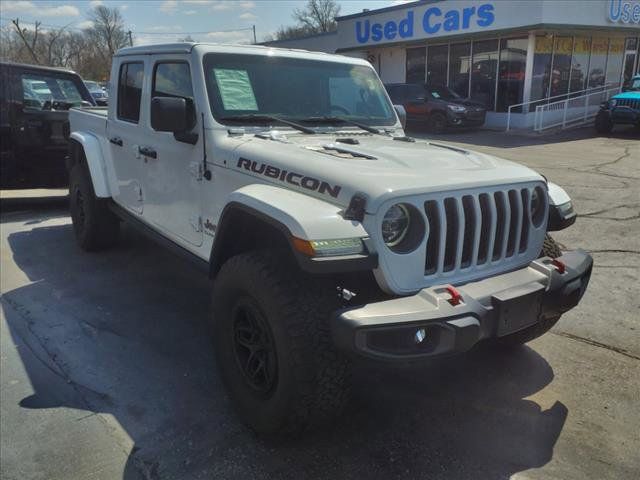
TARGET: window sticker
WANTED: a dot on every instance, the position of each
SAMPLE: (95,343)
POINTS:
(235,89)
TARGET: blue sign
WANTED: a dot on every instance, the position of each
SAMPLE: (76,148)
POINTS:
(624,11)
(433,20)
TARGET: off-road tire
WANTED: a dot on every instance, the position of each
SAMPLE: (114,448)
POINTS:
(95,226)
(311,378)
(438,122)
(549,249)
(603,124)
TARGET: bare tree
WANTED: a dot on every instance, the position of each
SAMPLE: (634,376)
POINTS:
(107,30)
(29,39)
(86,51)
(318,16)
(106,36)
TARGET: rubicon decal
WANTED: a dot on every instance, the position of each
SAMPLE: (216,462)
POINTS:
(293,178)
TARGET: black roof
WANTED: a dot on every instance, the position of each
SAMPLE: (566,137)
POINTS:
(38,67)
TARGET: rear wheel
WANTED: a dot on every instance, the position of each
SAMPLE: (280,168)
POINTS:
(95,226)
(438,122)
(273,345)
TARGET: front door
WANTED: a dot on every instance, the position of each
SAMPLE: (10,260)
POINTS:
(172,180)
(124,127)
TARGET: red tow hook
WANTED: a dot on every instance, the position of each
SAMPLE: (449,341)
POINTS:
(456,297)
(560,266)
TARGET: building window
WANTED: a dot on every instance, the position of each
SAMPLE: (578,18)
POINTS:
(579,64)
(541,67)
(459,66)
(416,60)
(614,61)
(631,45)
(561,68)
(437,59)
(130,91)
(484,71)
(511,73)
(598,61)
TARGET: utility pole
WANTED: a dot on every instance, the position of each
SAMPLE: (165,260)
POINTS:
(254,35)
(130,38)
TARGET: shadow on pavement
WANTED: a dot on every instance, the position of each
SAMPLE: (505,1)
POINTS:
(501,139)
(127,329)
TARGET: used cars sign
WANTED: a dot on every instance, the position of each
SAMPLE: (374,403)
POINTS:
(432,21)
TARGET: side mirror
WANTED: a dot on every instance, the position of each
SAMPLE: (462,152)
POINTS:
(402,115)
(169,114)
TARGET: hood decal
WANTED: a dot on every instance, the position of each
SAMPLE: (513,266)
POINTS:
(293,178)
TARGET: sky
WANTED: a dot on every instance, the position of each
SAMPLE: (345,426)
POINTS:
(157,21)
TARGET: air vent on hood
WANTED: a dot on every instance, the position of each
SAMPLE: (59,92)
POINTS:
(341,152)
(449,147)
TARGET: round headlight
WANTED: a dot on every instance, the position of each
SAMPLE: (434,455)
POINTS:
(395,224)
(537,206)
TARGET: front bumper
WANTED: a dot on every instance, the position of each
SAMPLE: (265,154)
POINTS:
(625,115)
(466,119)
(493,307)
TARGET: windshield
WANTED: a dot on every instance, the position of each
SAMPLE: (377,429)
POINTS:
(442,92)
(635,84)
(92,86)
(293,89)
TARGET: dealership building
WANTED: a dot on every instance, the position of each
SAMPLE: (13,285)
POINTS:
(503,53)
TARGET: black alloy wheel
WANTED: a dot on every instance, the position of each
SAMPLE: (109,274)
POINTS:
(254,348)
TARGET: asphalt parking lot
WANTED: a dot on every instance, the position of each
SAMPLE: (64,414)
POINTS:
(107,371)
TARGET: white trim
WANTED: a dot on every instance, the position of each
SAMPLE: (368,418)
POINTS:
(528,69)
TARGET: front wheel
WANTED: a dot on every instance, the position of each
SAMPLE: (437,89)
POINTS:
(273,345)
(603,123)
(438,122)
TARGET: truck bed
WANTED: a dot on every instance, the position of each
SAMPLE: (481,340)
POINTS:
(89,119)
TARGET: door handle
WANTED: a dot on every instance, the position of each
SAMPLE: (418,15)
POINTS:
(147,152)
(116,141)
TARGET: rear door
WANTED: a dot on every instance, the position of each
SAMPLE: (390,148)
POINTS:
(172,180)
(126,115)
(415,103)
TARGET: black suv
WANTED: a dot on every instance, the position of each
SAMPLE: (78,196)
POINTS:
(34,125)
(438,107)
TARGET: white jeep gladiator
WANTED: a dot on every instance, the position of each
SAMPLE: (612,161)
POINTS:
(327,232)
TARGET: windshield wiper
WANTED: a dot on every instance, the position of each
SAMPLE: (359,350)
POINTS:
(346,121)
(252,117)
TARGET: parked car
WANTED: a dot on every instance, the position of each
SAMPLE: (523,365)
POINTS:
(621,109)
(439,107)
(98,92)
(286,176)
(34,107)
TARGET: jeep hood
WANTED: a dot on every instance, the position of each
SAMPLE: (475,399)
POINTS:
(379,167)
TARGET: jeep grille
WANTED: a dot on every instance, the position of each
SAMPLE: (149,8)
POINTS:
(628,102)
(470,230)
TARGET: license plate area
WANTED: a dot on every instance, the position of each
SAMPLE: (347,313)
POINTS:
(517,308)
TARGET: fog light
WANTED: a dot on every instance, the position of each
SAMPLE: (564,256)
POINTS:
(420,335)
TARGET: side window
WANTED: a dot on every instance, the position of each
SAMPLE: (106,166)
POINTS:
(173,79)
(42,91)
(130,91)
